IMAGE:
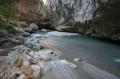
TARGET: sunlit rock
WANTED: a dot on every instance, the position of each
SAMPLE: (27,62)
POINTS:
(77,59)
(17,61)
(27,70)
(36,71)
(22,77)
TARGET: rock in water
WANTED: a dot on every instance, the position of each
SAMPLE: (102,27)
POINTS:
(77,59)
(32,28)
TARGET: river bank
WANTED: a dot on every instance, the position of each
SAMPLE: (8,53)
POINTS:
(35,59)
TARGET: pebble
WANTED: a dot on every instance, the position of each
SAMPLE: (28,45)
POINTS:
(26,63)
(41,47)
(77,59)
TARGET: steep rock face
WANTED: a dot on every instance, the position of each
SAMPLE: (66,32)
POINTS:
(93,17)
(64,11)
(30,10)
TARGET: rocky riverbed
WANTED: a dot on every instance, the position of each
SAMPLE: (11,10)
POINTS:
(26,55)
(32,60)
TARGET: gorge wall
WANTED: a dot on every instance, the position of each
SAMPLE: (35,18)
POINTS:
(92,17)
(30,10)
(64,11)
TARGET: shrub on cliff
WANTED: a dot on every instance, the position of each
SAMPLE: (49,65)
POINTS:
(5,15)
(5,7)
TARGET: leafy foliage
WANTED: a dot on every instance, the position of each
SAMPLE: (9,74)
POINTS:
(5,8)
(5,15)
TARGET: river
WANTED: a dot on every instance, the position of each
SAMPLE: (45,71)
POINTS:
(102,54)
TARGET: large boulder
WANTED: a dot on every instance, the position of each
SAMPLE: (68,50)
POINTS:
(22,32)
(22,24)
(32,28)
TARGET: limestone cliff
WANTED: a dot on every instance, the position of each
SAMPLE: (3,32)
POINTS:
(30,10)
(64,11)
(93,17)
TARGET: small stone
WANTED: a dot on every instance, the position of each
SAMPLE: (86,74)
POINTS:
(77,59)
(36,60)
(38,42)
(15,71)
(45,37)
(41,47)
(22,77)
(46,58)
(26,63)
(17,75)
(51,53)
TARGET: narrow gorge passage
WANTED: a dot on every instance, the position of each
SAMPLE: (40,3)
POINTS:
(59,39)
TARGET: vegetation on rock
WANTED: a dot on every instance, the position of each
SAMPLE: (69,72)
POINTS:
(6,15)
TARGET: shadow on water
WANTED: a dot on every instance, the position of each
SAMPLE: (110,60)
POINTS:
(106,40)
